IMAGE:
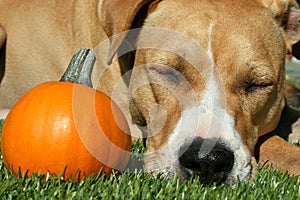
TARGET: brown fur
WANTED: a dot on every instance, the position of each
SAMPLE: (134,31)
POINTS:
(41,37)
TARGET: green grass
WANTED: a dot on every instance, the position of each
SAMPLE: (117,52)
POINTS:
(269,184)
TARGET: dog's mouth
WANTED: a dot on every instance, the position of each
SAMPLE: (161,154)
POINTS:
(211,160)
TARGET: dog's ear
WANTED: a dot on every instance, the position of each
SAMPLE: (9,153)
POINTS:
(120,16)
(287,15)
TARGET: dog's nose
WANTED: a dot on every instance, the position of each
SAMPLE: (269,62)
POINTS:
(209,159)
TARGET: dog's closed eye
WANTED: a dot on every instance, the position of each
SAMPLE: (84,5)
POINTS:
(252,87)
(257,78)
(165,72)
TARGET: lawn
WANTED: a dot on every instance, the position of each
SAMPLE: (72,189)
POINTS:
(269,184)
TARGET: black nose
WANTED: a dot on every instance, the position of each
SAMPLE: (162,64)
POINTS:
(209,159)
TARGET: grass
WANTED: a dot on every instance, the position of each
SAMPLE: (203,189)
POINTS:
(269,184)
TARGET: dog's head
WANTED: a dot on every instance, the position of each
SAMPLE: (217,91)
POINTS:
(207,81)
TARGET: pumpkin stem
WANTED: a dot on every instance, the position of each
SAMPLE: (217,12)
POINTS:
(80,68)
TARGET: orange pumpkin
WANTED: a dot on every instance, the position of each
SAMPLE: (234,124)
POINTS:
(65,129)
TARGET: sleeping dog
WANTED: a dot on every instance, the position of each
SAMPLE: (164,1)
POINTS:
(205,77)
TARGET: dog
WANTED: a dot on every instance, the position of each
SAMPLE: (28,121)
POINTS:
(205,78)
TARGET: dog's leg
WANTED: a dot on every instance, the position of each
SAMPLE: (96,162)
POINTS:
(275,151)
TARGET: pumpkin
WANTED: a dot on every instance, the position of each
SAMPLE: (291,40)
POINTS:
(66,128)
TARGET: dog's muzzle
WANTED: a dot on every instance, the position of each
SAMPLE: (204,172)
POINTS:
(208,158)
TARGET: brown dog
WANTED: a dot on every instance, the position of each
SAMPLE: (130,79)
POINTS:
(207,85)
